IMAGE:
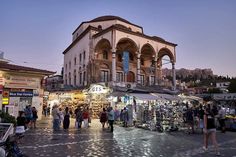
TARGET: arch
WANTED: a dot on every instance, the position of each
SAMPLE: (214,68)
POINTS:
(126,44)
(104,66)
(130,76)
(148,55)
(119,68)
(103,44)
(165,52)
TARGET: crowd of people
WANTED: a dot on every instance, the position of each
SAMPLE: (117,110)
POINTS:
(27,118)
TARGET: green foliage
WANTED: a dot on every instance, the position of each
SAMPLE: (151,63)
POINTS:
(232,86)
(6,118)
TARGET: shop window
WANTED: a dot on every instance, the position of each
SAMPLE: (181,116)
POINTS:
(119,77)
(119,58)
(104,76)
(142,79)
(105,54)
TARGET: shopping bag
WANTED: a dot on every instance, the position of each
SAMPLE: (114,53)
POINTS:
(20,129)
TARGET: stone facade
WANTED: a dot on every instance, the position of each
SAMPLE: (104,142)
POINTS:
(97,48)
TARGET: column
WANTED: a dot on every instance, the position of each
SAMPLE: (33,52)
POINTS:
(138,68)
(113,65)
(174,76)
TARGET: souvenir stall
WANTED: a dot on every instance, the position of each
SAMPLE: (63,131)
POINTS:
(169,111)
(96,97)
(143,110)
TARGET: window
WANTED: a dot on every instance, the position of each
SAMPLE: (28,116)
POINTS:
(142,61)
(84,78)
(131,57)
(84,55)
(80,78)
(142,79)
(74,77)
(65,79)
(152,80)
(69,65)
(119,77)
(69,79)
(99,27)
(105,54)
(66,67)
(119,58)
(104,76)
(80,57)
(75,60)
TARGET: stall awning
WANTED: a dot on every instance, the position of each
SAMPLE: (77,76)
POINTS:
(167,96)
(143,96)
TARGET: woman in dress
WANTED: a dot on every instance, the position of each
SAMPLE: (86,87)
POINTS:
(103,117)
(66,121)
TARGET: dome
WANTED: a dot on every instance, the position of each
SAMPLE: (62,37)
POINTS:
(109,17)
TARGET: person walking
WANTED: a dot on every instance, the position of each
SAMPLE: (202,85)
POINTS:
(28,116)
(56,118)
(190,119)
(125,117)
(222,114)
(111,117)
(35,117)
(210,129)
(103,117)
(66,121)
(201,117)
(79,117)
(85,117)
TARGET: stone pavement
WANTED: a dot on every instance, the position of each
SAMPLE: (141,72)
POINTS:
(93,141)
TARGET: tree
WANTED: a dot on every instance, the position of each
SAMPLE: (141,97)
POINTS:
(232,86)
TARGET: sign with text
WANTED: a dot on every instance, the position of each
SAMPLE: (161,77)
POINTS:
(126,61)
(21,82)
(21,94)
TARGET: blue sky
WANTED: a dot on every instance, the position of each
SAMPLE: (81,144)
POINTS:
(35,33)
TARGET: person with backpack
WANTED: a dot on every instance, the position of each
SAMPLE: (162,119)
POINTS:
(103,117)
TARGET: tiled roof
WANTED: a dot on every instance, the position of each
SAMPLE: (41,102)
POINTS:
(12,67)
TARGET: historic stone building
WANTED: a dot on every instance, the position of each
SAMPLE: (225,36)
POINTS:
(97,54)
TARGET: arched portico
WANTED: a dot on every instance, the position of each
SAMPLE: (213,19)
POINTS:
(147,63)
(166,52)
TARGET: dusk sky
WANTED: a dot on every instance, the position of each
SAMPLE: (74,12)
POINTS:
(35,33)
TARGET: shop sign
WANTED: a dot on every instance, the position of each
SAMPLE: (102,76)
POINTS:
(98,89)
(21,94)
(5,101)
(21,82)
